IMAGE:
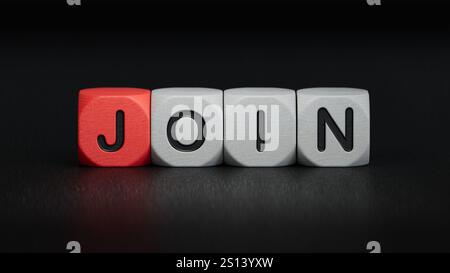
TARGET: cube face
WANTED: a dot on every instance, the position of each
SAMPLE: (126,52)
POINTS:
(187,127)
(260,127)
(114,126)
(333,127)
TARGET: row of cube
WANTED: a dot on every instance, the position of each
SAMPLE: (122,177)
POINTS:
(251,127)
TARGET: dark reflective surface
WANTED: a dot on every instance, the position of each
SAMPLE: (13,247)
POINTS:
(154,209)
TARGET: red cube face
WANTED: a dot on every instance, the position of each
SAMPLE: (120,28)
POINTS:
(114,127)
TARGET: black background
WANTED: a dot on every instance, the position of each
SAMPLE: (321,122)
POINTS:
(401,54)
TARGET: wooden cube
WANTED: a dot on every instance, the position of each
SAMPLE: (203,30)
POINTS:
(114,127)
(260,125)
(187,125)
(333,127)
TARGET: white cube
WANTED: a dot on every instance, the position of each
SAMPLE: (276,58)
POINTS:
(333,127)
(260,127)
(187,127)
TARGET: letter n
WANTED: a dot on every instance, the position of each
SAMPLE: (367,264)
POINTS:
(324,118)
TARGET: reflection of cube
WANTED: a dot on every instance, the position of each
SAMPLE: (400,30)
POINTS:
(187,127)
(333,127)
(113,127)
(259,127)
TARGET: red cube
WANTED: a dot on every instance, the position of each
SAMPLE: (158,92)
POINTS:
(114,127)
